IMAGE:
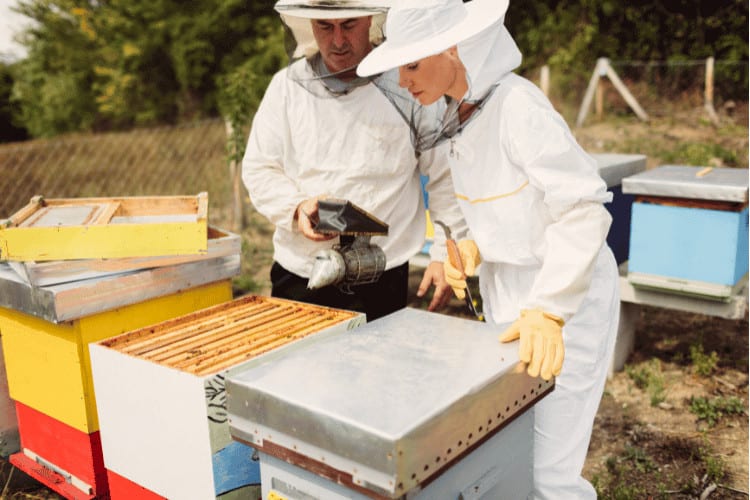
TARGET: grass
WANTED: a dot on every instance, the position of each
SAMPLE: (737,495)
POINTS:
(651,467)
(712,410)
(649,378)
(700,153)
(703,364)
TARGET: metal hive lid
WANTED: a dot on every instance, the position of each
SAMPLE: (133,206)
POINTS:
(613,167)
(389,403)
(680,181)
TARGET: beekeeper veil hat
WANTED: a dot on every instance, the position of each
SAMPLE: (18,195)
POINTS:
(416,29)
(297,16)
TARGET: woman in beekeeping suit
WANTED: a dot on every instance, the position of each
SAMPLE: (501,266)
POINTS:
(321,131)
(533,201)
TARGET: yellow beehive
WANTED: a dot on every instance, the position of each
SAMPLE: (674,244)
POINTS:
(48,364)
(99,228)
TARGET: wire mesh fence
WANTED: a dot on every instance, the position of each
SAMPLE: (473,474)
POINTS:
(662,88)
(191,158)
(180,160)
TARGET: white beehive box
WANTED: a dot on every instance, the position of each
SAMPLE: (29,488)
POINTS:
(160,390)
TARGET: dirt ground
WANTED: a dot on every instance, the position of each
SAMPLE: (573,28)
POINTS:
(648,439)
(639,450)
(674,422)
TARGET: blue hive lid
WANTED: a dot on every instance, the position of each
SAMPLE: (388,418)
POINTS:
(681,181)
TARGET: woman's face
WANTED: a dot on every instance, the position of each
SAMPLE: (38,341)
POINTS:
(431,78)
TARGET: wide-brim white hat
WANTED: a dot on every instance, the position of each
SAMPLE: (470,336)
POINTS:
(422,28)
(328,9)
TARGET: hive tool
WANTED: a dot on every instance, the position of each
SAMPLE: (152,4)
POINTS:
(454,255)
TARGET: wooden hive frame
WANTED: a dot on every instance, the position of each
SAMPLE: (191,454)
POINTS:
(222,336)
(221,243)
(97,228)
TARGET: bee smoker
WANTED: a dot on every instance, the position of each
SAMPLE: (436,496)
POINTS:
(354,260)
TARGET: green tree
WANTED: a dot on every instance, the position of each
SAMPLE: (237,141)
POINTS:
(241,89)
(571,35)
(119,63)
(52,85)
(10,130)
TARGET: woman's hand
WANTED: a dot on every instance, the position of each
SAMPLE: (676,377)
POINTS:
(541,344)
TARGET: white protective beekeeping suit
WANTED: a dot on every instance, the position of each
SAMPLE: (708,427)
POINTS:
(549,255)
(533,200)
(311,136)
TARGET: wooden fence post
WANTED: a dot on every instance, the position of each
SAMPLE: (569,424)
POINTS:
(599,71)
(709,92)
(625,93)
(235,173)
(599,101)
(544,80)
(603,68)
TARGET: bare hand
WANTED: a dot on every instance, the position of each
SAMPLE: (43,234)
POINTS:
(434,275)
(307,215)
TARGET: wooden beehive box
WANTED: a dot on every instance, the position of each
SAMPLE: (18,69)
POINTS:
(221,243)
(99,228)
(47,363)
(613,168)
(689,230)
(49,377)
(160,391)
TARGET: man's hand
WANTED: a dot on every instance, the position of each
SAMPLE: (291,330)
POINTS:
(434,275)
(306,215)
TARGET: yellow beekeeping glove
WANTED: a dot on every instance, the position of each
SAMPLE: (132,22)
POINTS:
(541,344)
(463,259)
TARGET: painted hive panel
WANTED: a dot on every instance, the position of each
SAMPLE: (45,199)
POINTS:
(121,488)
(44,274)
(75,455)
(158,384)
(97,228)
(48,365)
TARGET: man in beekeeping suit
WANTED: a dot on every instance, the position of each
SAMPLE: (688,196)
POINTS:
(321,131)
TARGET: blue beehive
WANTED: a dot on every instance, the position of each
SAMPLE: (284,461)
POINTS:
(613,168)
(689,229)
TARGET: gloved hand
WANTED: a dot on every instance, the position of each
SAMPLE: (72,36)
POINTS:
(541,344)
(470,259)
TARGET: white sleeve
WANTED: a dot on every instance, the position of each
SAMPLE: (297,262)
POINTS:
(574,194)
(572,244)
(272,191)
(442,199)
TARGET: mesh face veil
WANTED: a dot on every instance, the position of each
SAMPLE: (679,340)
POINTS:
(307,66)
(430,125)
(423,28)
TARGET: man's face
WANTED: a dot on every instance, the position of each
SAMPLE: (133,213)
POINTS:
(343,43)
